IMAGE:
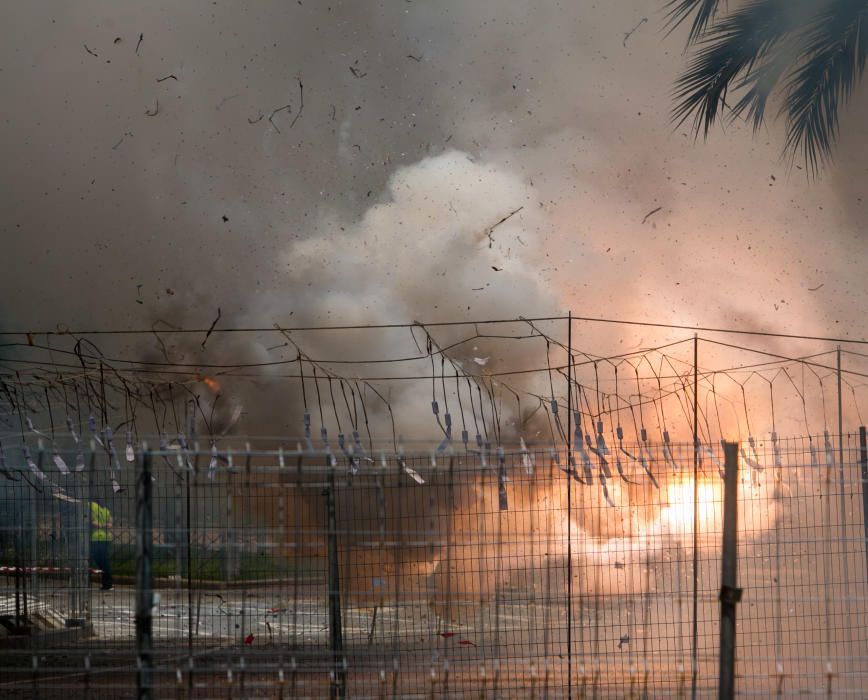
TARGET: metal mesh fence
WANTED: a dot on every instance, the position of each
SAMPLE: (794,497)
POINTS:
(501,573)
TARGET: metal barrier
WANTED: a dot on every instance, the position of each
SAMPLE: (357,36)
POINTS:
(253,572)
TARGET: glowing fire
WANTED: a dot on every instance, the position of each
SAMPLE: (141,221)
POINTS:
(679,510)
(212,384)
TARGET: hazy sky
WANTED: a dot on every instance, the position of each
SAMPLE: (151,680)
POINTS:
(149,171)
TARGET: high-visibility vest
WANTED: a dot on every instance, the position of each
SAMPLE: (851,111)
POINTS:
(99,523)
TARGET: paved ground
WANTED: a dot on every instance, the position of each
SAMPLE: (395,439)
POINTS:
(257,634)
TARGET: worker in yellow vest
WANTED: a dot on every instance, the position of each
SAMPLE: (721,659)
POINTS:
(100,540)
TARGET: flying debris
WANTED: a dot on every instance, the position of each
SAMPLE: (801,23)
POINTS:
(211,329)
(627,35)
(650,214)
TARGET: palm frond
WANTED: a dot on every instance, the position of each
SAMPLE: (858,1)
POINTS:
(680,10)
(835,51)
(760,83)
(733,46)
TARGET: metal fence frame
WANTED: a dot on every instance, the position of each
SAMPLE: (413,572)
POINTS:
(234,579)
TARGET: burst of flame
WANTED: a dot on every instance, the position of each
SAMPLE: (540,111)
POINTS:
(212,384)
(679,510)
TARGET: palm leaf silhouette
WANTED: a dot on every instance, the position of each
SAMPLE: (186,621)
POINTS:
(811,52)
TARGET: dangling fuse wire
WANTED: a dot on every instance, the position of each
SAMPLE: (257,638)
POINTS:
(182,442)
(776,449)
(645,456)
(554,408)
(91,424)
(606,491)
(367,425)
(668,457)
(646,459)
(114,464)
(3,470)
(358,448)
(552,402)
(38,473)
(55,453)
(464,435)
(447,419)
(830,455)
(667,452)
(526,458)
(164,448)
(130,452)
(473,411)
(79,450)
(483,447)
(351,459)
(751,460)
(579,446)
(212,464)
(323,432)
(412,473)
(583,436)
(307,439)
(159,425)
(601,449)
(495,412)
(32,429)
(619,432)
(129,448)
(605,472)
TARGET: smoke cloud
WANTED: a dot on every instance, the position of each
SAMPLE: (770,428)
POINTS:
(570,114)
(354,163)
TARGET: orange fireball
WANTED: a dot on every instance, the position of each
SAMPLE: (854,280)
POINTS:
(211,383)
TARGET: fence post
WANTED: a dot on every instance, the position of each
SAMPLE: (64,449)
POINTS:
(144,592)
(730,594)
(189,567)
(863,463)
(694,639)
(338,685)
(569,505)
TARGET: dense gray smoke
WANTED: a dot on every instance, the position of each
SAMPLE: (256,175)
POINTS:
(567,113)
(316,163)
